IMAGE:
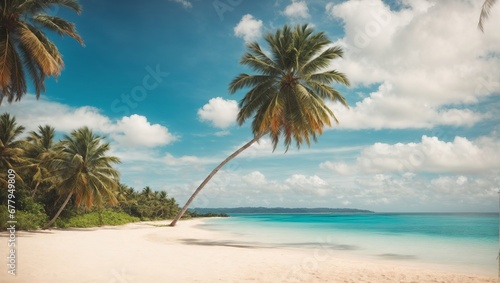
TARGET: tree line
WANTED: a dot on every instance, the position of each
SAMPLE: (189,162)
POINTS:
(56,181)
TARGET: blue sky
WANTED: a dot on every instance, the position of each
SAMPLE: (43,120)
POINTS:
(421,133)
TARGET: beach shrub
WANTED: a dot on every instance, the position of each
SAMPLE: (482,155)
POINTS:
(30,220)
(32,216)
(92,219)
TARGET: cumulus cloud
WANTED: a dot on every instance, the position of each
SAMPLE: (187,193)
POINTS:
(255,178)
(248,28)
(460,156)
(137,131)
(308,184)
(424,62)
(341,168)
(385,109)
(128,131)
(296,10)
(219,112)
(31,113)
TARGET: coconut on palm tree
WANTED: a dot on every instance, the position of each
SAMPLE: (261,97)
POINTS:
(85,171)
(287,96)
(25,50)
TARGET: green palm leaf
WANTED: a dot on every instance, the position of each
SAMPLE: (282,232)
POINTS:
(24,45)
(286,99)
(85,170)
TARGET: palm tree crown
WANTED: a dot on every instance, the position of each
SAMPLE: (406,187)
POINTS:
(86,170)
(287,97)
(40,150)
(25,47)
(11,148)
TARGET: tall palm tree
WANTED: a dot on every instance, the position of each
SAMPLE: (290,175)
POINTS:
(85,171)
(40,151)
(12,149)
(485,13)
(287,96)
(25,47)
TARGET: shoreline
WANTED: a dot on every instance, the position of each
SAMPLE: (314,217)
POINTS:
(150,252)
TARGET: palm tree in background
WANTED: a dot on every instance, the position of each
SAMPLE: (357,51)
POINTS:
(485,12)
(40,150)
(85,171)
(287,96)
(11,148)
(24,47)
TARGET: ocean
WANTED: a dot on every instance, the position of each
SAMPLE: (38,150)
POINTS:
(463,242)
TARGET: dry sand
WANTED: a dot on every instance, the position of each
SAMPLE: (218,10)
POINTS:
(144,252)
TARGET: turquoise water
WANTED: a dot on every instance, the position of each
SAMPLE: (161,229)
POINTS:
(467,242)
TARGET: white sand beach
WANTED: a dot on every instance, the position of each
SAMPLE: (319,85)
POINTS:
(145,252)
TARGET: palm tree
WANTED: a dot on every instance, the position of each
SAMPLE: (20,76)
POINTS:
(25,47)
(485,12)
(11,148)
(85,171)
(287,97)
(40,152)
(127,198)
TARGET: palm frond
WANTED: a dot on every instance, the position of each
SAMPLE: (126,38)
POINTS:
(485,13)
(39,52)
(59,25)
(287,95)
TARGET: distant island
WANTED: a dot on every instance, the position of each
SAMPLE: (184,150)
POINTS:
(264,210)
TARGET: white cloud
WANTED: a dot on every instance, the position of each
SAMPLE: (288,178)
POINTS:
(137,131)
(185,3)
(31,113)
(219,112)
(308,184)
(430,155)
(425,62)
(385,109)
(255,178)
(171,160)
(128,131)
(248,28)
(297,9)
(341,168)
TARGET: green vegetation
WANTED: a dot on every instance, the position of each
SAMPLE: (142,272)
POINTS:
(100,218)
(72,182)
(288,95)
(194,213)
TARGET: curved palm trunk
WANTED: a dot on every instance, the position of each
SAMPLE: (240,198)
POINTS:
(200,187)
(34,190)
(58,212)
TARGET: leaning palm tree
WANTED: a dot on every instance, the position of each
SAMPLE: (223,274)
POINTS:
(85,171)
(24,47)
(12,149)
(485,13)
(287,97)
